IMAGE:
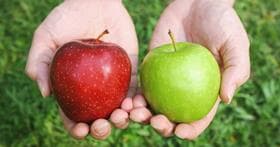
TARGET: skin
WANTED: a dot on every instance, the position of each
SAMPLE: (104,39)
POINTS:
(215,25)
(212,23)
(77,19)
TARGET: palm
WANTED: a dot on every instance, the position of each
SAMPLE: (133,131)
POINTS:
(85,19)
(71,21)
(216,26)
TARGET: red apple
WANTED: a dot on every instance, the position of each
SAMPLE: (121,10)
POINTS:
(90,78)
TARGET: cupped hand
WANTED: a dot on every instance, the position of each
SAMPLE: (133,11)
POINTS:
(78,19)
(215,25)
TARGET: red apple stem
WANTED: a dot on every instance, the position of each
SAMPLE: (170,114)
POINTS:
(172,39)
(102,34)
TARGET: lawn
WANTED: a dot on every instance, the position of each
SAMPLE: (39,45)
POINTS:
(26,119)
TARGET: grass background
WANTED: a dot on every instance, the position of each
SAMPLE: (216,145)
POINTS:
(251,120)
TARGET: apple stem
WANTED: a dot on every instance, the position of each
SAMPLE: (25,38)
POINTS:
(102,34)
(172,39)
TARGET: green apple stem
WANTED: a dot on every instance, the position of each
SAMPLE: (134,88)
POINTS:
(102,34)
(172,39)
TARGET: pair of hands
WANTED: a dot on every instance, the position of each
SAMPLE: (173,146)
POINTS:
(213,24)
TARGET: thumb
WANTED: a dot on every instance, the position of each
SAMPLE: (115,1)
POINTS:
(39,58)
(236,65)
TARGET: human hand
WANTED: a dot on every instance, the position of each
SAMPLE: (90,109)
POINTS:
(215,25)
(78,19)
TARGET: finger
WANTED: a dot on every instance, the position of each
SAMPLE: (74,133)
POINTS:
(236,61)
(236,73)
(42,78)
(127,104)
(194,129)
(68,124)
(141,115)
(78,131)
(139,90)
(100,129)
(133,80)
(162,125)
(139,101)
(119,118)
(39,58)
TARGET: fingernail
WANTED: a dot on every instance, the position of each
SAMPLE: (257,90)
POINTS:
(229,96)
(42,88)
(158,127)
(127,104)
(121,121)
(140,115)
(185,131)
(155,122)
(101,129)
(139,101)
(228,101)
(179,133)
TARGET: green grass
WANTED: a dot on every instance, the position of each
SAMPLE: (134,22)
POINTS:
(251,120)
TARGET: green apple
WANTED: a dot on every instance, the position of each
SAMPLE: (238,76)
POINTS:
(180,80)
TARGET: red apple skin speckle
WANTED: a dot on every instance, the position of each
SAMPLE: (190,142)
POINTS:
(90,78)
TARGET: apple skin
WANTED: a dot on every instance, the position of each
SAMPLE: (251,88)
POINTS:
(90,78)
(183,84)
